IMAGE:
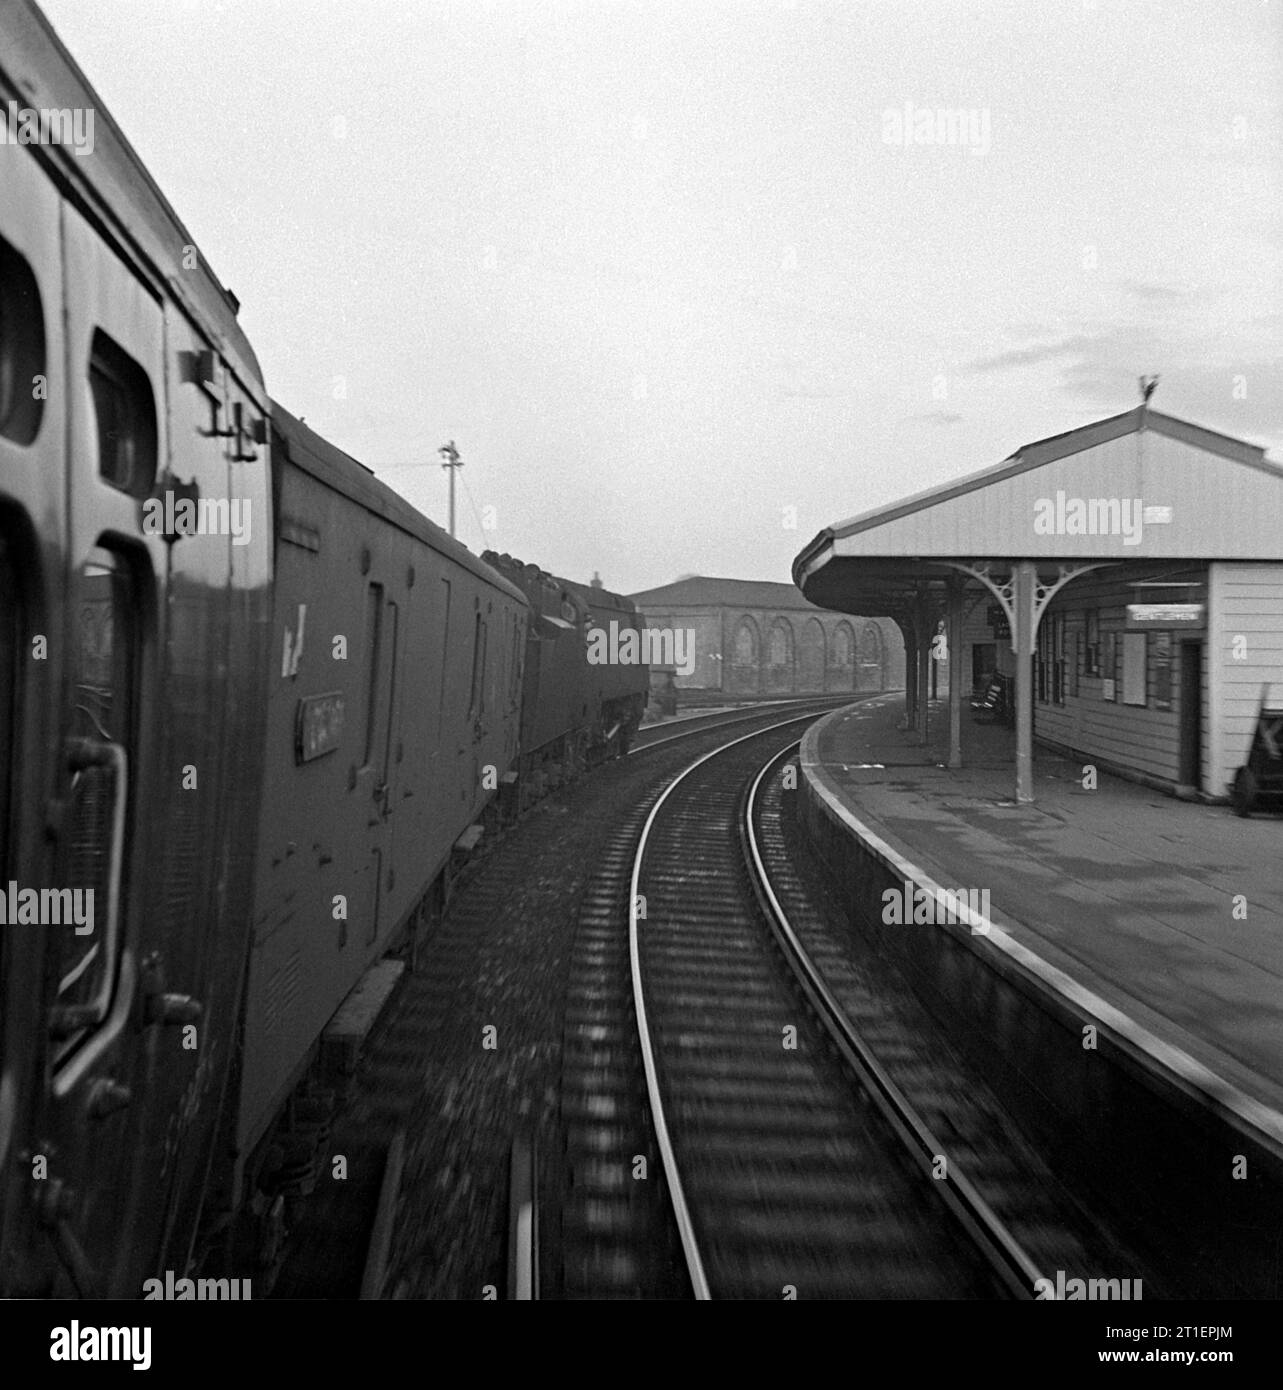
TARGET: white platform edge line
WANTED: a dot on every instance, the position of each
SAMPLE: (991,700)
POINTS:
(1165,1055)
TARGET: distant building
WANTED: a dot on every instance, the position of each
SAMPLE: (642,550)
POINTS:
(754,639)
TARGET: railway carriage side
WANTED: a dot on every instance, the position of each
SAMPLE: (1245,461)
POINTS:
(133,635)
(392,716)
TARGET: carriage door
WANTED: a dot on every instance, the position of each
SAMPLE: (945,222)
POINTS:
(379,772)
(32,505)
(100,1059)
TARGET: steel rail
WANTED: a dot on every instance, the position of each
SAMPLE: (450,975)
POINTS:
(707,724)
(1000,1248)
(677,1196)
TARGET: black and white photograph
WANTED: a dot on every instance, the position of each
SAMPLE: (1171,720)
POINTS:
(641,659)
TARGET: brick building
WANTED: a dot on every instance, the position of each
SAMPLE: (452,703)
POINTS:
(754,639)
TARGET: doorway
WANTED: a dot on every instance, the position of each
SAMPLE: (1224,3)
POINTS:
(1190,778)
(984,662)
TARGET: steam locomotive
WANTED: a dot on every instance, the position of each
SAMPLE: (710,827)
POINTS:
(253,710)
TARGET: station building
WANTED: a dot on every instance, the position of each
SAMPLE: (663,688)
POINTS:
(754,639)
(1128,576)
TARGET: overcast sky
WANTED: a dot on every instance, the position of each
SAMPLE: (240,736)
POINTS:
(665,271)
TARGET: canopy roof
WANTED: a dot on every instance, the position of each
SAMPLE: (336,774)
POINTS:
(1137,487)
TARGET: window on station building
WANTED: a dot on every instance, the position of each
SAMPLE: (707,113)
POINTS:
(781,645)
(1109,666)
(746,645)
(1051,659)
(871,645)
(843,646)
(1091,642)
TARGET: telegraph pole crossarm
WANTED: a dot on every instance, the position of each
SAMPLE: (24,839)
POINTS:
(450,459)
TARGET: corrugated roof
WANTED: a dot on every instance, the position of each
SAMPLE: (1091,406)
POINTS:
(1059,446)
(945,527)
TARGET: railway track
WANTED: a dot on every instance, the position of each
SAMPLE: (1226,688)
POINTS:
(656,735)
(710,1152)
(616,1237)
(795,1165)
(544,904)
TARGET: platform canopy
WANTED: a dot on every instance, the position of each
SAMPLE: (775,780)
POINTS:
(1140,490)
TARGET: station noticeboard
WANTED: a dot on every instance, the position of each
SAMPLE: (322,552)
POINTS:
(1166,617)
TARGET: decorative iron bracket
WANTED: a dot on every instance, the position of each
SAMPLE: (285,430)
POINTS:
(1005,592)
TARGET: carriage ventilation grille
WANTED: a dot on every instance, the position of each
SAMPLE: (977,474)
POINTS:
(282,990)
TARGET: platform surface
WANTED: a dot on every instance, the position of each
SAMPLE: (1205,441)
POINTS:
(1128,891)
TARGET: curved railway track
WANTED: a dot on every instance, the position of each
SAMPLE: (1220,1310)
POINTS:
(556,882)
(709,1151)
(786,1179)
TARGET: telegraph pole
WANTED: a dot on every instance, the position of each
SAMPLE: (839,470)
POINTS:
(450,459)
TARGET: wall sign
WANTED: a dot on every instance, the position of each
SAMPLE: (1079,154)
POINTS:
(1145,617)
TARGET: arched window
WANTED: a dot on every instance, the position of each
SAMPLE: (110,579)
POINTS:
(781,644)
(745,675)
(843,646)
(810,657)
(871,645)
(871,675)
(779,672)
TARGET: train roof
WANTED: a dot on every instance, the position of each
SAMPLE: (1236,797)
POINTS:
(330,465)
(113,186)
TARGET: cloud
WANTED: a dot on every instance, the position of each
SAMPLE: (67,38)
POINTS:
(1159,293)
(1232,382)
(1071,345)
(933,417)
(810,393)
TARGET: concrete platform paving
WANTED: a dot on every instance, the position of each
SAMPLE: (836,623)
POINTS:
(1122,899)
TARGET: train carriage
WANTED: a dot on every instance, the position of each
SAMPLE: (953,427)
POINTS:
(392,716)
(132,674)
(251,705)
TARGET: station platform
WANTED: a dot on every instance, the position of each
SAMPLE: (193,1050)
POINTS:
(1117,904)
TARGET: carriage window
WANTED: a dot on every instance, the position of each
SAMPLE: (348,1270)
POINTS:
(125,410)
(514,693)
(89,893)
(445,650)
(373,633)
(476,704)
(22,348)
(10,665)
